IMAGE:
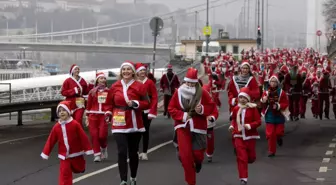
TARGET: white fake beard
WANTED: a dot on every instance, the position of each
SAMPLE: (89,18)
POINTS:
(187,92)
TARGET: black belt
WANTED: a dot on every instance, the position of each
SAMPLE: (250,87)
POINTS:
(123,107)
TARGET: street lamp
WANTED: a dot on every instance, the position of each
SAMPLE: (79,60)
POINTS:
(207,24)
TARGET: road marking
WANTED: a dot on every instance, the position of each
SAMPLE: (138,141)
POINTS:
(23,138)
(116,165)
(320,179)
(329,152)
(332,145)
(334,139)
(326,160)
(323,169)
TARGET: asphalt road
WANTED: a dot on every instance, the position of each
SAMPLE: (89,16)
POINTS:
(307,157)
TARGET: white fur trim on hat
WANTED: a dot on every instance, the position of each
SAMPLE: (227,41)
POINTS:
(273,77)
(127,64)
(73,68)
(100,75)
(63,106)
(245,95)
(190,80)
(140,68)
(245,63)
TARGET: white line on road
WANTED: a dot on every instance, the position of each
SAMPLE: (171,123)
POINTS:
(23,138)
(326,160)
(323,169)
(116,165)
(329,152)
(332,145)
(320,179)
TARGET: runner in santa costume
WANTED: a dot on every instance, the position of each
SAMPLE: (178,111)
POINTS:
(314,97)
(306,92)
(190,108)
(168,83)
(293,87)
(275,103)
(72,144)
(74,88)
(129,100)
(245,79)
(150,113)
(324,94)
(211,121)
(97,107)
(333,92)
(244,124)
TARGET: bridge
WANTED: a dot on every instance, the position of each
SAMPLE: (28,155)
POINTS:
(75,47)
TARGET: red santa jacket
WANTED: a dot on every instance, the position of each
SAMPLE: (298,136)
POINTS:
(153,97)
(167,85)
(73,89)
(98,101)
(127,119)
(71,138)
(250,117)
(306,87)
(214,115)
(197,123)
(293,86)
(282,103)
(233,90)
(324,85)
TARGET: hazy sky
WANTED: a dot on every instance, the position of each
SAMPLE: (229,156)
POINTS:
(278,10)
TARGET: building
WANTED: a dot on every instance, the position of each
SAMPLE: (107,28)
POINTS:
(315,21)
(227,45)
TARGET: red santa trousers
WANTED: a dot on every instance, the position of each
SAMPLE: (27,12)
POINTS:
(188,156)
(69,166)
(303,103)
(246,153)
(98,130)
(315,107)
(273,133)
(215,96)
(78,116)
(210,142)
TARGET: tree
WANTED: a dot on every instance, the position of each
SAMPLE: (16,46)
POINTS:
(329,12)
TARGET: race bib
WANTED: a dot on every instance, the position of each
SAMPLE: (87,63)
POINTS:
(80,102)
(102,97)
(119,118)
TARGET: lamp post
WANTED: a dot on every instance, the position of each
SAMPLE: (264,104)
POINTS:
(207,24)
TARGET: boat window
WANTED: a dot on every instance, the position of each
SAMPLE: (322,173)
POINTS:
(111,74)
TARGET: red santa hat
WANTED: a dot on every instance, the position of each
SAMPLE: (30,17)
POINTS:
(128,63)
(139,67)
(65,105)
(245,92)
(245,63)
(191,75)
(275,77)
(72,68)
(98,75)
(169,66)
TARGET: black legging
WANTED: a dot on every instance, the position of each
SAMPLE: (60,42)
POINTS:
(128,143)
(145,135)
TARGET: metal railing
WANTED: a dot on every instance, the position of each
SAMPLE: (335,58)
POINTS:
(49,99)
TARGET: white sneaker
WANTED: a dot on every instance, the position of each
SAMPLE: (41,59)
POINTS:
(144,157)
(97,159)
(104,154)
